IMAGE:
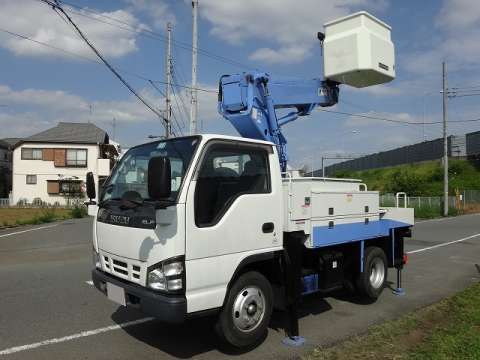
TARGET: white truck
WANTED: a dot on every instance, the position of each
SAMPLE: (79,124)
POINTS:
(207,224)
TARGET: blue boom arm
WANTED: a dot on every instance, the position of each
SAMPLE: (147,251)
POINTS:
(249,101)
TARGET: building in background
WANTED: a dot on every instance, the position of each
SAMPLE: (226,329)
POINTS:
(6,150)
(51,166)
(459,146)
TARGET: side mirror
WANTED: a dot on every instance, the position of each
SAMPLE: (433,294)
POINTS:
(91,193)
(159,178)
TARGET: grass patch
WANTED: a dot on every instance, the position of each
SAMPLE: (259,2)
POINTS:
(431,212)
(419,179)
(449,329)
(32,216)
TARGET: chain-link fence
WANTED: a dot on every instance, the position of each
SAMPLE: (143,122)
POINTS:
(462,201)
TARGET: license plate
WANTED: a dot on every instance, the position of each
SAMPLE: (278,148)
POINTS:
(116,294)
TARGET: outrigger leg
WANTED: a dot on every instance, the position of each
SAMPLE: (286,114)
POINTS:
(293,284)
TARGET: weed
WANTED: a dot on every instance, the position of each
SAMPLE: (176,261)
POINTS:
(78,212)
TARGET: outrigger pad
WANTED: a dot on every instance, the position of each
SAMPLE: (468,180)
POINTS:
(294,341)
(399,291)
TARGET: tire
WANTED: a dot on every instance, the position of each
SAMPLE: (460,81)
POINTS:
(246,314)
(371,282)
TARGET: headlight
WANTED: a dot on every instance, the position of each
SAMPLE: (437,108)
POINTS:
(96,259)
(167,276)
(156,280)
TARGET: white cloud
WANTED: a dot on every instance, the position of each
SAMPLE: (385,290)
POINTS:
(291,25)
(458,24)
(32,110)
(51,106)
(39,22)
(157,10)
(284,55)
(457,14)
(58,100)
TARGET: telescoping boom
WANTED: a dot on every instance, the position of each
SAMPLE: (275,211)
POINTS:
(250,100)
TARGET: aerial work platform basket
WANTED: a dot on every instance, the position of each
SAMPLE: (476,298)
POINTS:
(358,51)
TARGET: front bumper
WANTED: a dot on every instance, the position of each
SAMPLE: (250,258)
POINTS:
(167,308)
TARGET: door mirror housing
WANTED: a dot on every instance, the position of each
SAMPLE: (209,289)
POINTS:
(91,192)
(159,178)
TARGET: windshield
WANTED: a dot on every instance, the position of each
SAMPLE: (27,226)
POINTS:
(131,173)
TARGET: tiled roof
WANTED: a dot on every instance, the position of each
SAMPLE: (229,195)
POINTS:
(66,132)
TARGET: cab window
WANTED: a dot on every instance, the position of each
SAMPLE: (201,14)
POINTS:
(227,172)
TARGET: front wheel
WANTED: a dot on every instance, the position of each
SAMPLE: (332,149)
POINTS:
(244,319)
(371,281)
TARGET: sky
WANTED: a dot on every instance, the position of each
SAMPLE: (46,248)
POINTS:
(57,78)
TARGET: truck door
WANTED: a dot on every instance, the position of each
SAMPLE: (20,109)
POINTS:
(234,208)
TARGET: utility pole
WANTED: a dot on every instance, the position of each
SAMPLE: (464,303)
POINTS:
(193,101)
(445,141)
(168,108)
(114,126)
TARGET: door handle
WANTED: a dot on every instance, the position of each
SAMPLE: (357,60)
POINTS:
(268,227)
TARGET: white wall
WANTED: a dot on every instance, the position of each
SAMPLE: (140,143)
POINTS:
(46,170)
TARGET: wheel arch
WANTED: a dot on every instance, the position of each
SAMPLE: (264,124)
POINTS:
(267,264)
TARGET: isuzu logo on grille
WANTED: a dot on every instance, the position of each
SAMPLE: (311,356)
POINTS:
(118,219)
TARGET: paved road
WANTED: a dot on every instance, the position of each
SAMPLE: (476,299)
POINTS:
(46,306)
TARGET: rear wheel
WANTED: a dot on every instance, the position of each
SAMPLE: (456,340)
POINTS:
(371,281)
(244,319)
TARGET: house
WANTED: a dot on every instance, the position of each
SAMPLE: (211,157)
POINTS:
(51,166)
(6,149)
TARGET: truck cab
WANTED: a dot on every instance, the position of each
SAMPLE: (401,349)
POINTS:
(175,255)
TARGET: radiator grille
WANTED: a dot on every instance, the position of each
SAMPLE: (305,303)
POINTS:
(121,268)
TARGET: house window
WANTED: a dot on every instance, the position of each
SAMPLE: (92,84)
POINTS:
(64,187)
(31,154)
(70,187)
(31,179)
(76,158)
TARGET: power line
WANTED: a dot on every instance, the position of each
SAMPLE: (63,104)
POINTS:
(462,95)
(150,34)
(376,117)
(175,95)
(397,121)
(55,5)
(185,109)
(163,94)
(464,87)
(72,54)
(151,82)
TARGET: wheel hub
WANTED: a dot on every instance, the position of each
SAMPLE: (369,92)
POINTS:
(252,309)
(377,273)
(248,309)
